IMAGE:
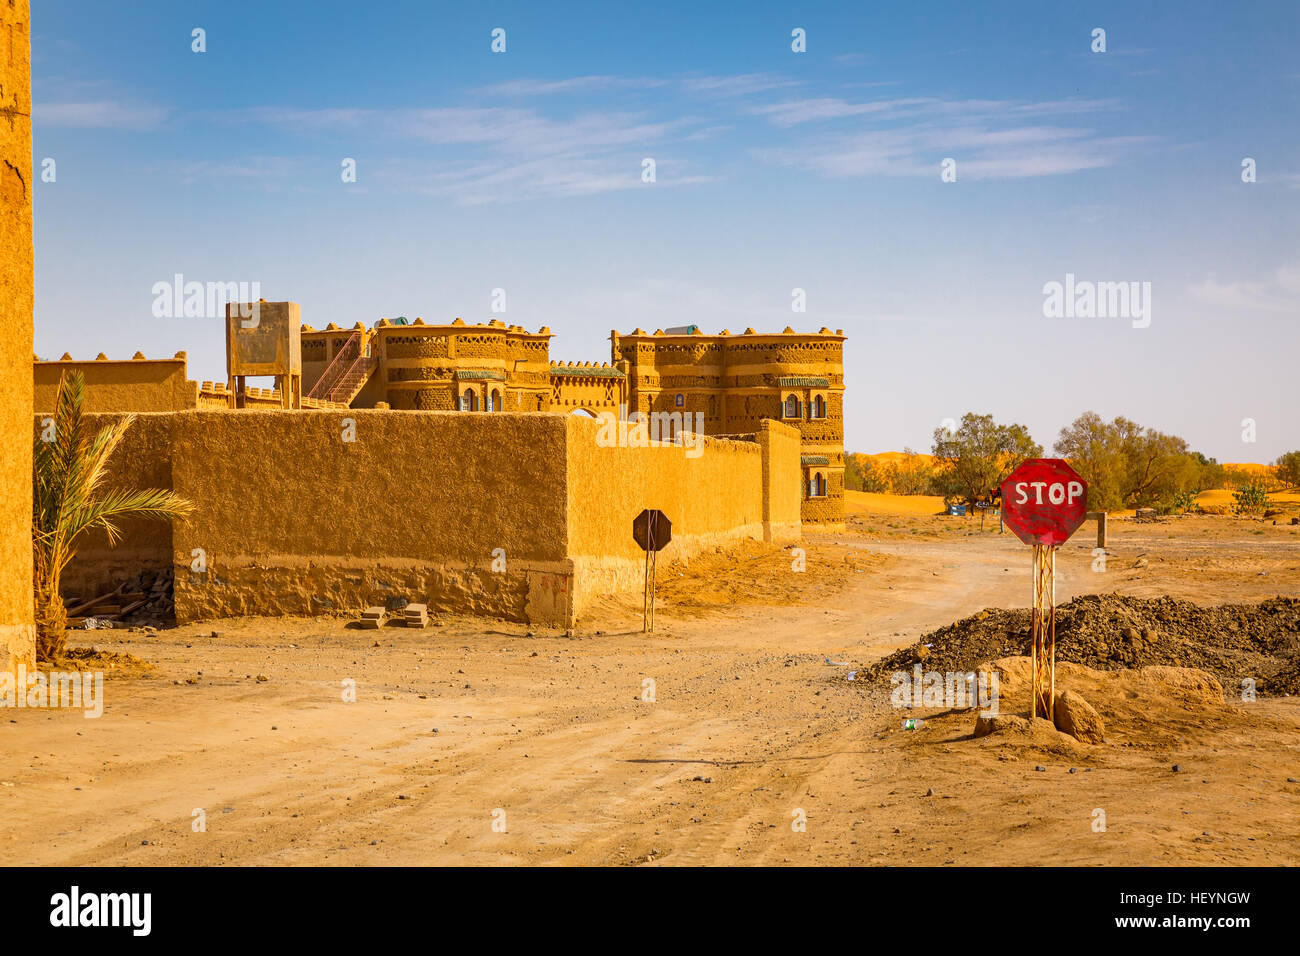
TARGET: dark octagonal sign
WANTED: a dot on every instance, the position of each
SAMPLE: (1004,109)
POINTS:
(1044,501)
(652,530)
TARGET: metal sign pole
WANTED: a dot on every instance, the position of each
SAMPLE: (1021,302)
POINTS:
(654,558)
(648,612)
(1043,630)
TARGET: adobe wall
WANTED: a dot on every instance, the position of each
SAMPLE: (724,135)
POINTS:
(712,500)
(17,634)
(135,385)
(294,520)
(782,483)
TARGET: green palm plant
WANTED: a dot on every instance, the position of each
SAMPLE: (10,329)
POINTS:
(69,497)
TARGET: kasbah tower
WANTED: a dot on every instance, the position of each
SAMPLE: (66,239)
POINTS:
(734,381)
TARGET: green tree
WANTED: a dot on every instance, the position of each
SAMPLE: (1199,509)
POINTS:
(69,497)
(910,476)
(1129,466)
(1288,470)
(861,474)
(980,453)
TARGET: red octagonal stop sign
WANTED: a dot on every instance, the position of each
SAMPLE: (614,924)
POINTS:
(1044,501)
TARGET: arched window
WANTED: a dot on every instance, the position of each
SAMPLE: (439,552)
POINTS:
(817,487)
(469,401)
(494,401)
(792,407)
(819,407)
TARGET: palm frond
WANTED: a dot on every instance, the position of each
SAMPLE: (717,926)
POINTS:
(154,503)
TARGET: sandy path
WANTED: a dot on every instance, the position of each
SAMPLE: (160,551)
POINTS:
(553,732)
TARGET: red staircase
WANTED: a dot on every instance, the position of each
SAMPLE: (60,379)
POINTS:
(353,380)
(347,374)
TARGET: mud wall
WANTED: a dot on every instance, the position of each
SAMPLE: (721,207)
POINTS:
(17,635)
(712,500)
(294,518)
(136,385)
(782,484)
(525,517)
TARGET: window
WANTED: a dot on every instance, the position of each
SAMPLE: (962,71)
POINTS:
(469,401)
(819,407)
(792,407)
(817,486)
(494,401)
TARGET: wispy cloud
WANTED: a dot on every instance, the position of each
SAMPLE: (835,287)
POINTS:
(99,114)
(576,84)
(989,139)
(1280,293)
(252,169)
(505,154)
(744,84)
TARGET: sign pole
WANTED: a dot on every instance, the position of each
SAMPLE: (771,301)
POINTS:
(652,530)
(648,600)
(1043,629)
(648,612)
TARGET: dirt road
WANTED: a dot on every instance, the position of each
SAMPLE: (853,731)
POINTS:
(480,744)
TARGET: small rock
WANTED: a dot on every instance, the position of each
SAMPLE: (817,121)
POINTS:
(1040,768)
(930,792)
(1178,768)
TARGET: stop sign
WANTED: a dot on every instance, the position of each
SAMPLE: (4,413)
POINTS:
(1044,501)
(652,530)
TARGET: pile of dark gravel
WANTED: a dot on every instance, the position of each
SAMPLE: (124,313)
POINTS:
(1108,632)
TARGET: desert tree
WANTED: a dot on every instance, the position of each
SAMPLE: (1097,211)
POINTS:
(1288,470)
(70,495)
(979,454)
(1129,466)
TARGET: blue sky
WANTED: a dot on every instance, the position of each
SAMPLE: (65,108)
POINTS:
(774,170)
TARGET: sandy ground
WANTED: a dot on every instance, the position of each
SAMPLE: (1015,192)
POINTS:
(480,743)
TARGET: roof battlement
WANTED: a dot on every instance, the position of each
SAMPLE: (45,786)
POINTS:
(693,332)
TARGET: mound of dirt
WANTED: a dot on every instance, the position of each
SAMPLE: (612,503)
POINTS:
(1109,632)
(92,659)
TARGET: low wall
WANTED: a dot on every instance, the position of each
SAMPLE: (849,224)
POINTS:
(782,481)
(712,499)
(135,385)
(520,516)
(294,519)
